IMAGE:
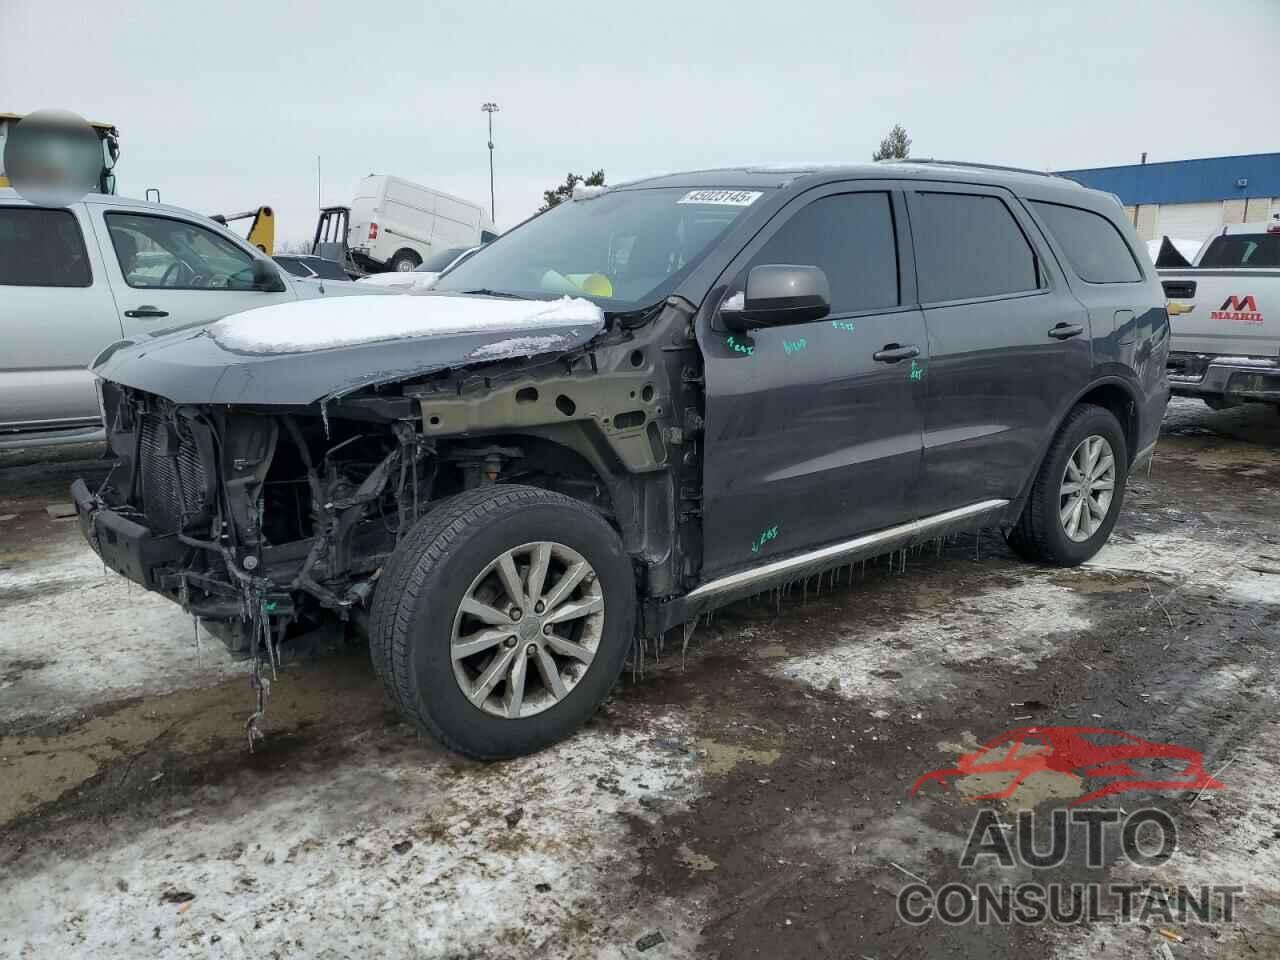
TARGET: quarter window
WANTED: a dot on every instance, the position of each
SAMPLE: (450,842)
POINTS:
(968,247)
(177,255)
(42,248)
(1094,247)
(850,236)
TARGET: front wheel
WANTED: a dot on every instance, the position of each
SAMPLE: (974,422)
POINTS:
(503,619)
(1077,494)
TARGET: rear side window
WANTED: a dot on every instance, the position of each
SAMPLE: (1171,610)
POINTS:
(1094,247)
(1243,250)
(42,248)
(850,236)
(968,247)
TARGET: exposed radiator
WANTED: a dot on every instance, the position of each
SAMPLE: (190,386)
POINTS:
(174,491)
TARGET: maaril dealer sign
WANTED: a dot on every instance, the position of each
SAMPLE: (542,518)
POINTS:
(1238,309)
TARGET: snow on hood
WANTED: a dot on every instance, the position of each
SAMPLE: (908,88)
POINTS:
(400,280)
(301,327)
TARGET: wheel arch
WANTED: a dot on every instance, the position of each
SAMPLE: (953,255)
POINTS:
(410,251)
(1110,392)
(574,457)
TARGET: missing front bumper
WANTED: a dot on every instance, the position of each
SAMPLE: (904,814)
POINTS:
(127,547)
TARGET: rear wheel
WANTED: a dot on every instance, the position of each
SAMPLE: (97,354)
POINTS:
(503,619)
(1077,494)
(404,261)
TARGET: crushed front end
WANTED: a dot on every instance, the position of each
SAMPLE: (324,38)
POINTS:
(254,522)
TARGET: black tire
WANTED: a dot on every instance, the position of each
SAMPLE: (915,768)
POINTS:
(422,585)
(1039,534)
(404,261)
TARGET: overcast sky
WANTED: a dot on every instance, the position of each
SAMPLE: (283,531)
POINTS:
(225,105)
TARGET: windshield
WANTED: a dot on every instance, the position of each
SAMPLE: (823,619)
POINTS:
(437,262)
(293,266)
(327,269)
(1243,250)
(623,249)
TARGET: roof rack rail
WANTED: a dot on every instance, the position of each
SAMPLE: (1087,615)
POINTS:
(966,163)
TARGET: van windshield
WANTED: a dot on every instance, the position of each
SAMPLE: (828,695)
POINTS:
(1243,250)
(623,249)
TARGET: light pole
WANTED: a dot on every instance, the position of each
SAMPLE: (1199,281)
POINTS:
(490,109)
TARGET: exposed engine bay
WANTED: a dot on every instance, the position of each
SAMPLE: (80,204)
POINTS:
(265,523)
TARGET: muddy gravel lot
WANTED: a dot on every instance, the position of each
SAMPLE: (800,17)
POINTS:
(750,798)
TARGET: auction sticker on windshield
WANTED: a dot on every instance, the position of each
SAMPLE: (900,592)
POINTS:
(726,198)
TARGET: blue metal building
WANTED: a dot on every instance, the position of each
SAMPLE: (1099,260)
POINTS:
(1191,198)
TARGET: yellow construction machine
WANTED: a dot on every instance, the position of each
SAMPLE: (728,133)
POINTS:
(262,232)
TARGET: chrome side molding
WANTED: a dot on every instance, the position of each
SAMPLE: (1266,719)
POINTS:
(869,545)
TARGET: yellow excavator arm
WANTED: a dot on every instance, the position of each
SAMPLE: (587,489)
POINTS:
(262,232)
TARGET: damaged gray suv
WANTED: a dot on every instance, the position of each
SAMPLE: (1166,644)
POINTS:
(639,405)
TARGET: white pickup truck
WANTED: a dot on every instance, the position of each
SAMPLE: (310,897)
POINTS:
(75,279)
(1224,313)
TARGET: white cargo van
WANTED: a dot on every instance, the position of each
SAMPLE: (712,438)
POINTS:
(396,225)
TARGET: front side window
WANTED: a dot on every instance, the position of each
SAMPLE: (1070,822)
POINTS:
(969,246)
(177,255)
(850,237)
(42,248)
(1093,245)
(623,249)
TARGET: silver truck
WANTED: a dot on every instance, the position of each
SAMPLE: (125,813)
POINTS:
(75,279)
(1224,311)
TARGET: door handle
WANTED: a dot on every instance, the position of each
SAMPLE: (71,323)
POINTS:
(146,310)
(892,353)
(1065,331)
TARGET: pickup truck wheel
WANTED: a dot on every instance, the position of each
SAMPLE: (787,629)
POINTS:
(503,618)
(404,261)
(1076,496)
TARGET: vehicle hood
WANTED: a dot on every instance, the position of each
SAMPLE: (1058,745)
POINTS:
(301,352)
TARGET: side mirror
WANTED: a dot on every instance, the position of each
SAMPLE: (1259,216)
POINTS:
(779,294)
(266,277)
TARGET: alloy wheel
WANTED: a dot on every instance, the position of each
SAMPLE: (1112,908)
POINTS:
(1088,484)
(527,629)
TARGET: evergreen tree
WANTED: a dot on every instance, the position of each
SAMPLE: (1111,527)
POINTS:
(565,190)
(896,146)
